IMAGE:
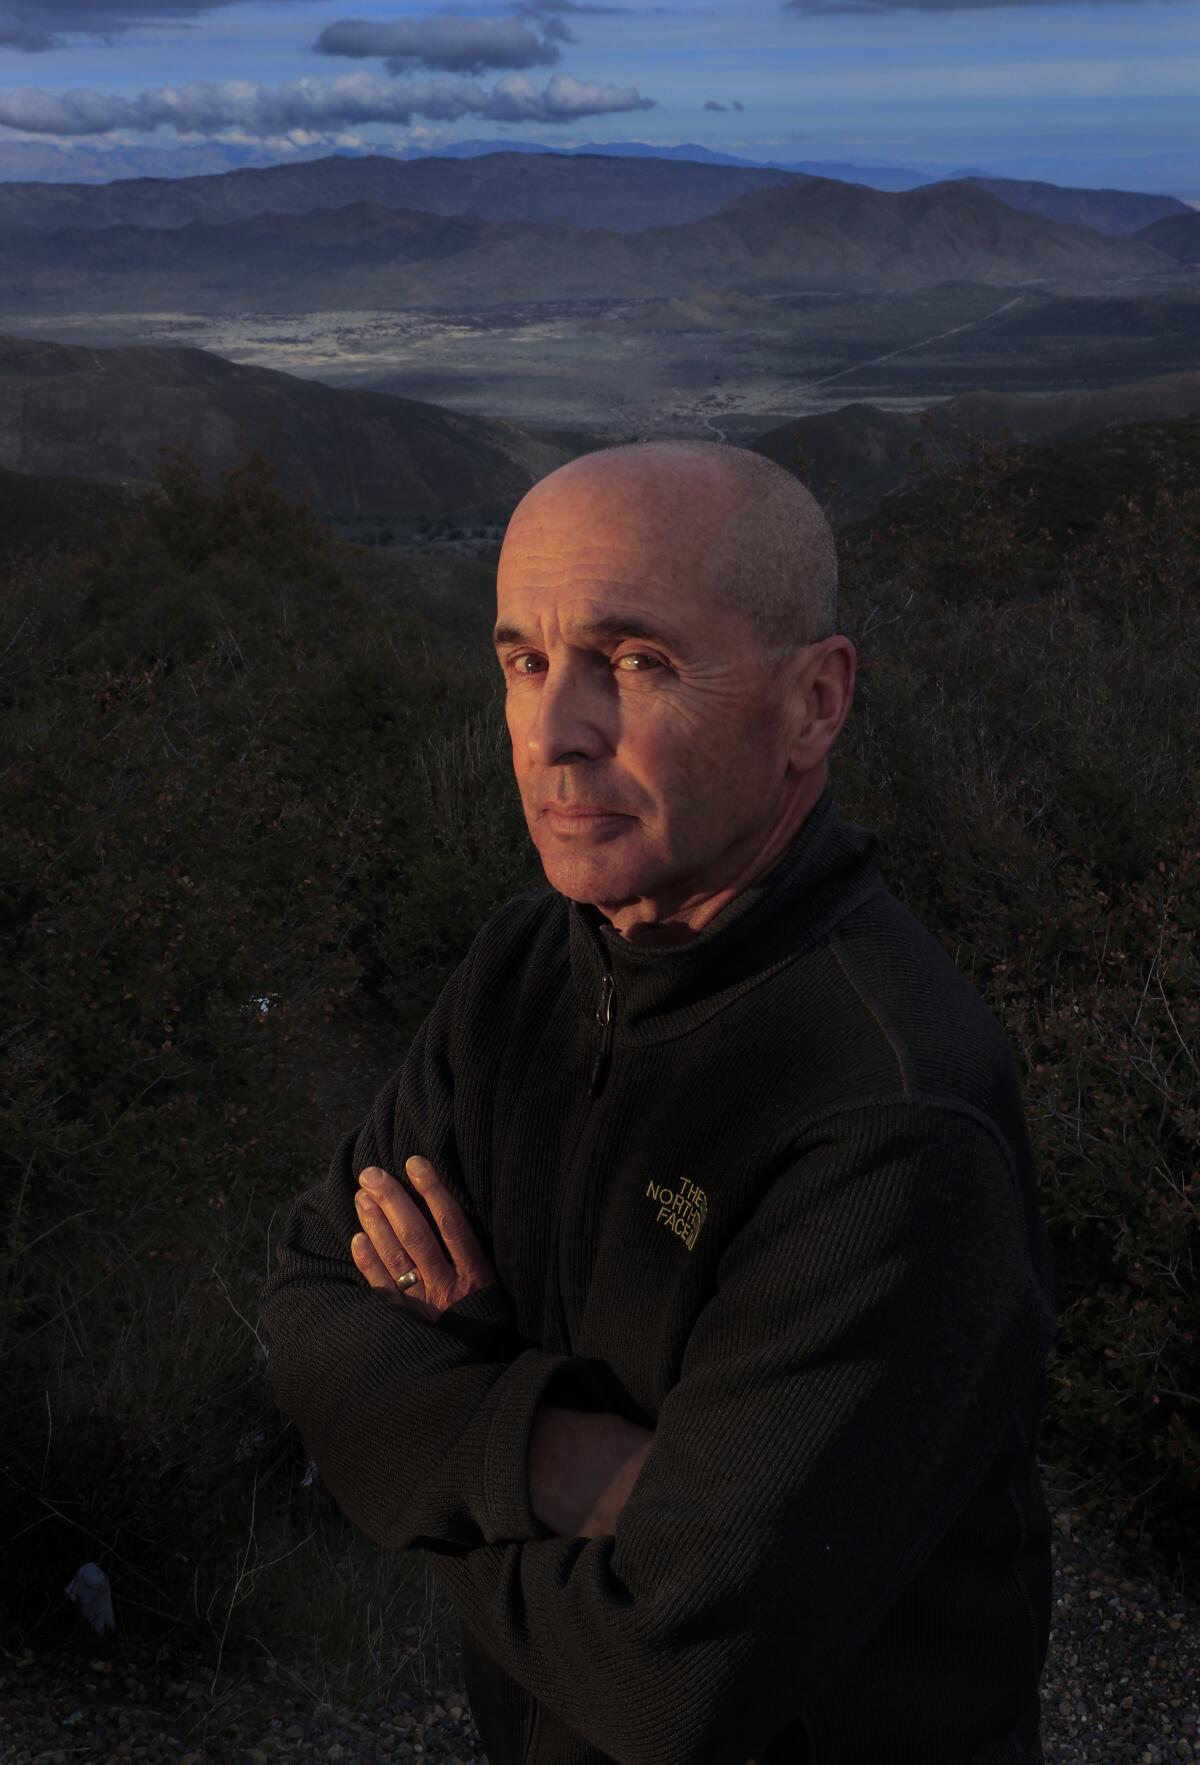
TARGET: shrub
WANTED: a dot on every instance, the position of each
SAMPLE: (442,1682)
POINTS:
(231,891)
(1031,761)
(254,818)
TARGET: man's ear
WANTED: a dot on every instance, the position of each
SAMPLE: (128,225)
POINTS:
(818,691)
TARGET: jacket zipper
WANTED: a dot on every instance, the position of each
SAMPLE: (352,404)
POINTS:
(604,1016)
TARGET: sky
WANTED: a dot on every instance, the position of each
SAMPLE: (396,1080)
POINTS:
(1077,91)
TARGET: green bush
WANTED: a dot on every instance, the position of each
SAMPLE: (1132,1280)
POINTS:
(230,776)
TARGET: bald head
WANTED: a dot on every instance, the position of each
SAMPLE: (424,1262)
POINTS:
(749,532)
(673,677)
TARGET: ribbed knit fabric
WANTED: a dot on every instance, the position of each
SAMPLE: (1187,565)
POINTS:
(788,1218)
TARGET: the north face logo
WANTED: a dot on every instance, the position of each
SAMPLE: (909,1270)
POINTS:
(682,1208)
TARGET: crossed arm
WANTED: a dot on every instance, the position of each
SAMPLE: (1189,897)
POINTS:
(582,1466)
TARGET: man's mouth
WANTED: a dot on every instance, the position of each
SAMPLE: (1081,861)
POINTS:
(572,815)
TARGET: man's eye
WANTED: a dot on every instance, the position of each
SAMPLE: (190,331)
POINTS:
(638,656)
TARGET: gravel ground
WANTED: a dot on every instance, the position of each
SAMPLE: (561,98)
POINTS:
(1122,1682)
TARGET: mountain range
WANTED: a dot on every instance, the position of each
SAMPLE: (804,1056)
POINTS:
(808,235)
(621,192)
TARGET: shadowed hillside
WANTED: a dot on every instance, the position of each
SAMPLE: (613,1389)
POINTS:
(105,413)
(1178,236)
(36,512)
(1105,211)
(854,457)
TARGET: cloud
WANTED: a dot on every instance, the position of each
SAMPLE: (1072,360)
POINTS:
(515,99)
(34,25)
(449,44)
(323,106)
(711,104)
(737,105)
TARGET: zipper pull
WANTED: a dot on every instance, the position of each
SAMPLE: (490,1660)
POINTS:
(604,1015)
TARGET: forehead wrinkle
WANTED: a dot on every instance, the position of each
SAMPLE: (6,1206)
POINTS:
(599,561)
(563,554)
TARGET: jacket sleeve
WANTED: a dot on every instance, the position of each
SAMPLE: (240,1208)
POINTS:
(874,1323)
(420,1429)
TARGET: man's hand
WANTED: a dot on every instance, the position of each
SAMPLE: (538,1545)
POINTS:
(582,1468)
(397,1237)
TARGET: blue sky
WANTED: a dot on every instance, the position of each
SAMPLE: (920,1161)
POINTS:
(1112,90)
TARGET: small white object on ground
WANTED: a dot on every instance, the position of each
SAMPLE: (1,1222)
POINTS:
(90,1590)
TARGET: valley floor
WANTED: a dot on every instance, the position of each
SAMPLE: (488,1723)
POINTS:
(726,367)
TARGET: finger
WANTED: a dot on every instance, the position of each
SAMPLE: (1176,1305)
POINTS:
(371,1265)
(413,1237)
(388,1248)
(458,1235)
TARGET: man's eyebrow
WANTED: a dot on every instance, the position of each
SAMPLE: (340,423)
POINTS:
(614,627)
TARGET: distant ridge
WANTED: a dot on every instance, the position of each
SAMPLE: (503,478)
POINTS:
(807,234)
(621,194)
(624,191)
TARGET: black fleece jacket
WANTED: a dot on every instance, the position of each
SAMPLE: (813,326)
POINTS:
(770,1193)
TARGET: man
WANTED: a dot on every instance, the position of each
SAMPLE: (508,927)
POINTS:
(702,1346)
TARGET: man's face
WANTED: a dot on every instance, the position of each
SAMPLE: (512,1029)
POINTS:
(630,691)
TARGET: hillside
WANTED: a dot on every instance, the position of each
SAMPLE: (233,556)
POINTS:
(1178,236)
(1105,211)
(1061,489)
(815,234)
(847,235)
(105,413)
(855,457)
(36,512)
(619,193)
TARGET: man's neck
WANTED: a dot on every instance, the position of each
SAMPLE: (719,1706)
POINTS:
(644,923)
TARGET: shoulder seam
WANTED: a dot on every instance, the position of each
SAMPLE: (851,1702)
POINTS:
(933,1100)
(893,1043)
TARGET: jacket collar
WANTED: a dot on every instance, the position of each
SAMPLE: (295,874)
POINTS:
(830,868)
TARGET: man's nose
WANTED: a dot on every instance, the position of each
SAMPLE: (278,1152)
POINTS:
(568,723)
